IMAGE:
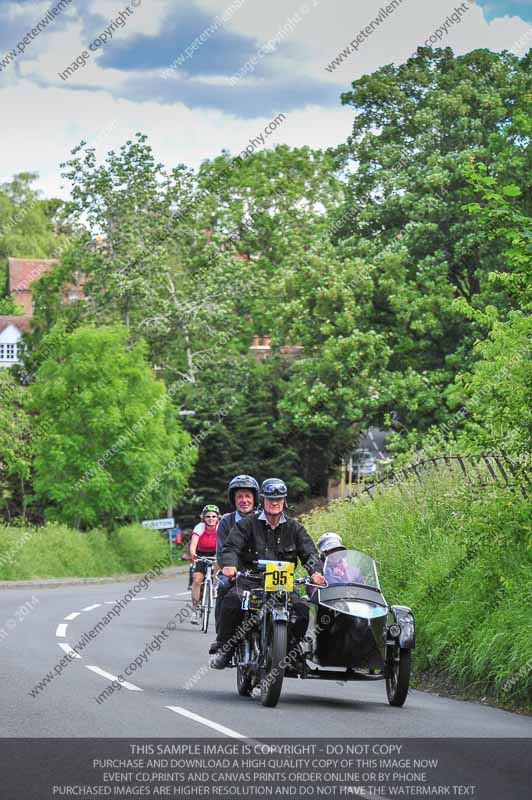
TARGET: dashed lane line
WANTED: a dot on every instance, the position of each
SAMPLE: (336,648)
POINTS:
(89,608)
(160,596)
(73,615)
(209,723)
(68,650)
(61,630)
(110,677)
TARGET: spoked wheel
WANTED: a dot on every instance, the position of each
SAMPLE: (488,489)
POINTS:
(244,677)
(399,678)
(272,675)
(205,606)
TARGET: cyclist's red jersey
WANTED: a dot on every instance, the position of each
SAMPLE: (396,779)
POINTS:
(206,540)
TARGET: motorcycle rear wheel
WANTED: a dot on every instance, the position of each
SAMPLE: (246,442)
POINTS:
(273,674)
(398,681)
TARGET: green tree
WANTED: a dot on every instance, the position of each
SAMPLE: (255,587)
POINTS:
(15,448)
(130,207)
(28,224)
(496,395)
(110,448)
(418,125)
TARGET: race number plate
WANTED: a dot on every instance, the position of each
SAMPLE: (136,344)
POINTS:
(279,575)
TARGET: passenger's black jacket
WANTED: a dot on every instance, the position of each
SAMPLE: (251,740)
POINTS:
(252,538)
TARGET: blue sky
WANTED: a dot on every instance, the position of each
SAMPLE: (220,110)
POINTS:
(194,111)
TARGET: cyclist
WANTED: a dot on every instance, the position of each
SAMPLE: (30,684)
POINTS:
(269,534)
(243,493)
(203,544)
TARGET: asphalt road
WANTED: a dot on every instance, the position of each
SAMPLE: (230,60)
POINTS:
(177,675)
(173,694)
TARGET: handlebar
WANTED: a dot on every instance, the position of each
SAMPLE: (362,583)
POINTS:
(249,574)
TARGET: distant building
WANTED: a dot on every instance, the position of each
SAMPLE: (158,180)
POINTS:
(21,273)
(11,330)
(288,351)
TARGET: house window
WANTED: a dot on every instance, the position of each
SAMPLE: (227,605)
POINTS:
(11,352)
(2,355)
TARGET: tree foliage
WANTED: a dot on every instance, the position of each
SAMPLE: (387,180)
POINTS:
(109,431)
(15,447)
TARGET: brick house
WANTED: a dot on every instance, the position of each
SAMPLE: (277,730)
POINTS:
(21,273)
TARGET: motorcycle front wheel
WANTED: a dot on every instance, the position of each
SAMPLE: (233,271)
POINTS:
(398,680)
(273,673)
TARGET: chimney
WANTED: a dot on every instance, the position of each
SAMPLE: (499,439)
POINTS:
(266,340)
(255,341)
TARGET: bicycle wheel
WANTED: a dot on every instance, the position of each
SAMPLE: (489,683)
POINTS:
(273,673)
(205,605)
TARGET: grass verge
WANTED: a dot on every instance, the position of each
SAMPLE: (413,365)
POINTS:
(461,558)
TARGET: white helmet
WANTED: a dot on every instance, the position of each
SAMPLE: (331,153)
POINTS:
(329,541)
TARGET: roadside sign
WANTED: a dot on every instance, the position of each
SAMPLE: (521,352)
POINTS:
(159,524)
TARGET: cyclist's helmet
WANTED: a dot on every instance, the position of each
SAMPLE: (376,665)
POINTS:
(328,542)
(210,507)
(273,489)
(243,482)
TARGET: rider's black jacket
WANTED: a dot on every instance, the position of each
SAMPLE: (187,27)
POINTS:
(252,538)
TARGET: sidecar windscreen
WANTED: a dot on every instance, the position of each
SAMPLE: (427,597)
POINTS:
(350,566)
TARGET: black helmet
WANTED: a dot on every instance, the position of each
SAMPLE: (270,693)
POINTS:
(243,482)
(273,489)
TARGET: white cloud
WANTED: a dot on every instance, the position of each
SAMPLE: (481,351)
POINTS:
(147,18)
(50,122)
(41,124)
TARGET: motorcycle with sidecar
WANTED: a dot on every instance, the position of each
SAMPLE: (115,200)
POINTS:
(352,635)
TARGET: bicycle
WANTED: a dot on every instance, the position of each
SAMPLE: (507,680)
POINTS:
(206,603)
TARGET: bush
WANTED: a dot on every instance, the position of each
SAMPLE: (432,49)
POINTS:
(55,551)
(462,559)
(139,548)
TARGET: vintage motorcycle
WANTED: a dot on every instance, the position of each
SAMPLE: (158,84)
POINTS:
(353,634)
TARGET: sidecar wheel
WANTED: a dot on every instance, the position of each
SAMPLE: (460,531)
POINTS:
(398,681)
(273,674)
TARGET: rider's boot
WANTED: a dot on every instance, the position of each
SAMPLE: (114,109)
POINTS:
(214,647)
(223,657)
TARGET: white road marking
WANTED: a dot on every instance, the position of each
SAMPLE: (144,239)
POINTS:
(89,608)
(136,599)
(110,677)
(203,721)
(110,602)
(180,594)
(73,615)
(68,649)
(61,630)
(159,596)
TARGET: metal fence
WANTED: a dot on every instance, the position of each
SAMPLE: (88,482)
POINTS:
(477,470)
